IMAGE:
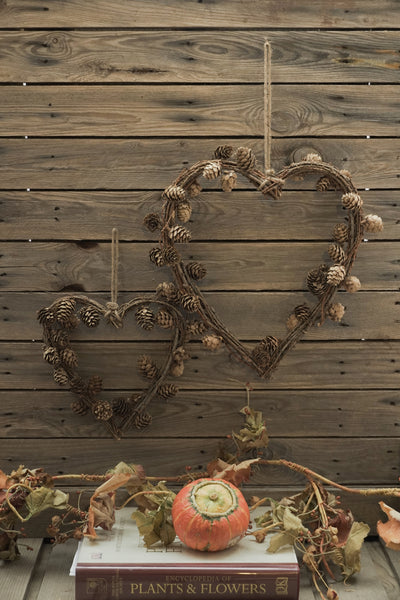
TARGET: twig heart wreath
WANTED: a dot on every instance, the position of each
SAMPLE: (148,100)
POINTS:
(322,281)
(65,314)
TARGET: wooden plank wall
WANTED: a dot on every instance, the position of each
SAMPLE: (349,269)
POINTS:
(101,105)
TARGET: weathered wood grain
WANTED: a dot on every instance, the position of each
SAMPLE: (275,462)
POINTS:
(154,163)
(310,365)
(57,582)
(243,266)
(16,575)
(369,315)
(223,13)
(198,56)
(340,459)
(298,215)
(200,413)
(226,110)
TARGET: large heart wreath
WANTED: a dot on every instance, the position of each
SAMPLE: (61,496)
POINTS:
(322,281)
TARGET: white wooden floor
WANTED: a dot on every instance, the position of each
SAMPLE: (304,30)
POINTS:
(42,574)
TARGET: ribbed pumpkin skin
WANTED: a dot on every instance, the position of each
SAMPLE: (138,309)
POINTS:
(210,515)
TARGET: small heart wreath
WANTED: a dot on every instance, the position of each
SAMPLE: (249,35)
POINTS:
(65,314)
(322,281)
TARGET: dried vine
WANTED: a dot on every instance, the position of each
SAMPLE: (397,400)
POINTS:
(64,315)
(323,281)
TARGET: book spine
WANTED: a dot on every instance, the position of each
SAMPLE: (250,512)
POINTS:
(99,583)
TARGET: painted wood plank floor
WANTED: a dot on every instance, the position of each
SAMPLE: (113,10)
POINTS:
(42,573)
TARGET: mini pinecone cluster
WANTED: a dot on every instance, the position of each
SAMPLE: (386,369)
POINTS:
(322,281)
(65,314)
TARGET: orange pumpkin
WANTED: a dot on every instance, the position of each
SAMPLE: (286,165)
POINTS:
(210,515)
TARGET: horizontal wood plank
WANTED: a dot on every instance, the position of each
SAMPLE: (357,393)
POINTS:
(16,575)
(294,413)
(310,365)
(225,110)
(197,56)
(154,163)
(243,266)
(340,459)
(369,315)
(298,215)
(224,13)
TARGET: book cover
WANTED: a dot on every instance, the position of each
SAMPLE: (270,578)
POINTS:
(119,566)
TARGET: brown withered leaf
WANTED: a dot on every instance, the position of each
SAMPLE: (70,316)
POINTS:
(8,547)
(343,521)
(254,433)
(103,510)
(154,496)
(41,498)
(236,474)
(390,530)
(102,502)
(156,525)
(136,472)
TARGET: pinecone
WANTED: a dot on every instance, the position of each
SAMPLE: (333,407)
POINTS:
(196,270)
(179,234)
(352,284)
(212,342)
(212,170)
(302,312)
(270,343)
(51,356)
(45,316)
(336,312)
(372,224)
(324,184)
(168,291)
(90,316)
(245,159)
(184,211)
(167,391)
(102,410)
(164,319)
(337,253)
(341,233)
(190,303)
(147,367)
(175,193)
(313,157)
(145,318)
(171,255)
(196,328)
(261,356)
(123,406)
(177,368)
(60,376)
(77,385)
(194,189)
(228,181)
(292,322)
(223,152)
(64,310)
(335,275)
(345,173)
(142,420)
(316,280)
(95,385)
(79,407)
(152,222)
(352,201)
(69,358)
(156,256)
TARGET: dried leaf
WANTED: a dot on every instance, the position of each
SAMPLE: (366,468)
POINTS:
(236,474)
(254,434)
(293,524)
(136,472)
(4,481)
(348,556)
(390,530)
(283,538)
(41,498)
(343,521)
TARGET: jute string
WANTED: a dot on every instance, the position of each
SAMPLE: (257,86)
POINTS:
(112,314)
(267,105)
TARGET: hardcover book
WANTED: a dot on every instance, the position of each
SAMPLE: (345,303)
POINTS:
(119,566)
